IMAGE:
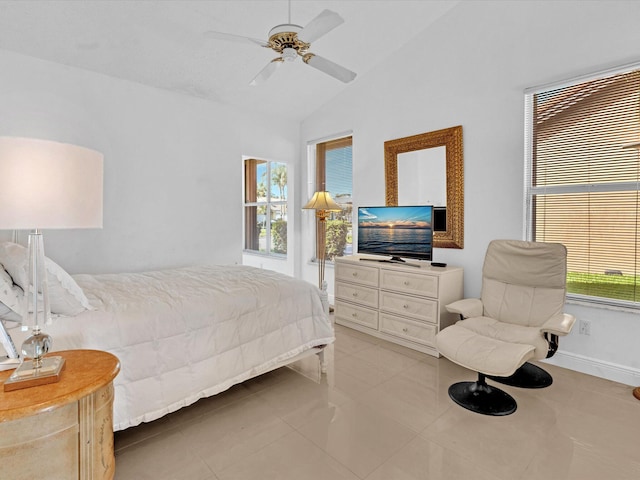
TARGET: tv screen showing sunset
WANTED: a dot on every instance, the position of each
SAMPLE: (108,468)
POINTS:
(396,231)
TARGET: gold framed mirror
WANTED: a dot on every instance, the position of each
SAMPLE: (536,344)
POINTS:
(452,186)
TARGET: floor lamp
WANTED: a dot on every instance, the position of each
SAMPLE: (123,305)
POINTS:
(45,185)
(323,204)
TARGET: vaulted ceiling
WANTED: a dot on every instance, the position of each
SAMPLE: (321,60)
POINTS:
(163,43)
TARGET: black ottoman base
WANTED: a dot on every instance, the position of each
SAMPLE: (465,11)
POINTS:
(482,398)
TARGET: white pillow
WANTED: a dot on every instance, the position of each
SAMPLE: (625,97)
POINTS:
(65,295)
(10,298)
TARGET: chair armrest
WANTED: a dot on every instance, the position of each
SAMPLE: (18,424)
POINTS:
(467,307)
(559,324)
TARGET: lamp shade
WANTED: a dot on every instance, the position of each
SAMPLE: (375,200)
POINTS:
(49,185)
(322,201)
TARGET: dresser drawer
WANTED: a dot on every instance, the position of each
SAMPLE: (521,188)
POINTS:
(358,274)
(360,315)
(418,308)
(357,293)
(407,329)
(412,283)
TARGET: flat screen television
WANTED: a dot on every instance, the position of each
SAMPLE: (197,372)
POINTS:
(398,232)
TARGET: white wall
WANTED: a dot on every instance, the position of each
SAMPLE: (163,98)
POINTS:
(470,68)
(172,166)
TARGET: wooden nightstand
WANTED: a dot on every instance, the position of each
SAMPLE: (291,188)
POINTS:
(62,430)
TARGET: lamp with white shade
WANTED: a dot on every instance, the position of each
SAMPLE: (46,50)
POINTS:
(45,185)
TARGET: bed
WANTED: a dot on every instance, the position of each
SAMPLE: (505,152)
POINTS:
(180,334)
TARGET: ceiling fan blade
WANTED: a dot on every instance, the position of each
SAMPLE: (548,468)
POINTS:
(266,72)
(234,38)
(322,24)
(343,74)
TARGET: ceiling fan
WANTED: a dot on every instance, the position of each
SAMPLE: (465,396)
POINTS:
(290,41)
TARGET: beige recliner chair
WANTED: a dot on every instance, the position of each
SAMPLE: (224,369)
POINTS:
(518,317)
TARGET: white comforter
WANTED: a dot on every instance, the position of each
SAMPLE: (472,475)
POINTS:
(188,333)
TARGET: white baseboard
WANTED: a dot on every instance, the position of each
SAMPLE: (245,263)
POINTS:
(598,368)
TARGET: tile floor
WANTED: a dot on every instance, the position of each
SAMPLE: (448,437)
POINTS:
(382,413)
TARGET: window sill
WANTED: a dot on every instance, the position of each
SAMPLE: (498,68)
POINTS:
(272,256)
(313,261)
(602,305)
(328,263)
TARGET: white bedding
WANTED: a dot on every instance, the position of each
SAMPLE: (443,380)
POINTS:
(189,333)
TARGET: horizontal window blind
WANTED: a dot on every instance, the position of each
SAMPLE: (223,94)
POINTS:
(334,167)
(582,183)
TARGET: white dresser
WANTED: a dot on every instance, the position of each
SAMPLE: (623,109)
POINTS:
(400,303)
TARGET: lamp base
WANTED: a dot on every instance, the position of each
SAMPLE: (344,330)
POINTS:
(26,375)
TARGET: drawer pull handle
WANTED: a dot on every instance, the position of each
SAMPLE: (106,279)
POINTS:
(355,294)
(355,274)
(354,315)
(405,306)
(405,330)
(406,282)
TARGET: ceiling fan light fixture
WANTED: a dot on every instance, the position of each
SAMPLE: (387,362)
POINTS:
(289,54)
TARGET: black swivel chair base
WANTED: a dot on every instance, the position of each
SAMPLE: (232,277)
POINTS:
(482,398)
(527,376)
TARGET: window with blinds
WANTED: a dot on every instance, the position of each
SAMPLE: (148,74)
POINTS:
(583,178)
(334,174)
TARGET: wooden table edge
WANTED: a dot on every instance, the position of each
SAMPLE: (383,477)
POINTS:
(99,368)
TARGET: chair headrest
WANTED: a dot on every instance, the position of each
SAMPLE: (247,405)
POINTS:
(535,264)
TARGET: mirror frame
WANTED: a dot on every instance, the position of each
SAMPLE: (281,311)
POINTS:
(451,138)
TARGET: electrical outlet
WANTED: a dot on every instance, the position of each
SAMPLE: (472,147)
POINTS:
(585,327)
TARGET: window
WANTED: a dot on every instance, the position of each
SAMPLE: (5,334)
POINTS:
(334,174)
(265,207)
(582,181)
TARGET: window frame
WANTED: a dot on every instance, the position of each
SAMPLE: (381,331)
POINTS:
(268,204)
(316,151)
(530,191)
